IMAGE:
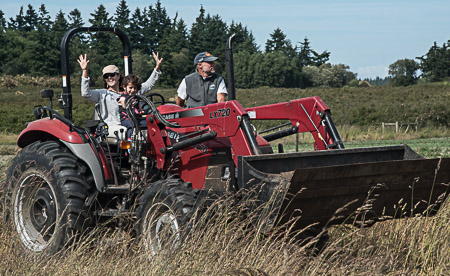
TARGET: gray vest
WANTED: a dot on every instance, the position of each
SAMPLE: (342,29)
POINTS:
(202,91)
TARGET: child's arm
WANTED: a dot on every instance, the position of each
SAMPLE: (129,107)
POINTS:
(122,101)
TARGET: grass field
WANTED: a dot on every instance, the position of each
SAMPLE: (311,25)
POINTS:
(225,246)
(414,246)
(425,104)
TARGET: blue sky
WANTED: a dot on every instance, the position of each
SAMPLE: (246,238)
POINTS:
(366,35)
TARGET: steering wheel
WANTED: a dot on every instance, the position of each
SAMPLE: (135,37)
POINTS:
(151,95)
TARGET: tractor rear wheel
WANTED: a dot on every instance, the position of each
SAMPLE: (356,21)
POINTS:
(44,200)
(163,215)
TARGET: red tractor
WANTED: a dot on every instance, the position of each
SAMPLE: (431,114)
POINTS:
(69,178)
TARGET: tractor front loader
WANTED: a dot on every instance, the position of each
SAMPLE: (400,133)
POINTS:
(67,178)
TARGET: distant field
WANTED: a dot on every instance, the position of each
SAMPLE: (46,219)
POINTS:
(425,104)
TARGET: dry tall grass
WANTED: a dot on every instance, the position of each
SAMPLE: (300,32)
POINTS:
(220,244)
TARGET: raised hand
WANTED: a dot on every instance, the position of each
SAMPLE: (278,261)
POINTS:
(157,60)
(83,61)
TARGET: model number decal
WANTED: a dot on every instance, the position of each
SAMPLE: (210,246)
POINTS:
(220,113)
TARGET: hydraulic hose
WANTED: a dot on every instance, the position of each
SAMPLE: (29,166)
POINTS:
(153,110)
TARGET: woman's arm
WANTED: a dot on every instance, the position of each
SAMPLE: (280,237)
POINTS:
(150,83)
(86,92)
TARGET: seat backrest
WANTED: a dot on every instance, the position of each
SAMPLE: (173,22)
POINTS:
(112,138)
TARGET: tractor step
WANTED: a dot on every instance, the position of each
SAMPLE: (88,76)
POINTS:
(112,212)
(117,189)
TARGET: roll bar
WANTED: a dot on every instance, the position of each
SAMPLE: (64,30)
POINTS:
(65,68)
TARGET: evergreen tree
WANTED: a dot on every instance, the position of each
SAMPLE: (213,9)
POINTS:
(175,38)
(279,43)
(79,40)
(105,46)
(135,34)
(3,41)
(14,64)
(216,36)
(2,21)
(197,42)
(435,65)
(209,33)
(173,48)
(159,24)
(100,17)
(75,19)
(44,22)
(310,57)
(243,40)
(59,28)
(17,24)
(40,41)
(30,19)
(146,34)
(121,17)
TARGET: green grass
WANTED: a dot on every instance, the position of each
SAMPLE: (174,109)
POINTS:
(425,104)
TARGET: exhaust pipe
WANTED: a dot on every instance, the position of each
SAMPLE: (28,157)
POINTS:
(230,68)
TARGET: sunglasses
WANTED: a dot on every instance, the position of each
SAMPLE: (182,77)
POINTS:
(109,75)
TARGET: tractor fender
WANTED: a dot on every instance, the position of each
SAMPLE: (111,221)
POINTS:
(47,129)
(85,153)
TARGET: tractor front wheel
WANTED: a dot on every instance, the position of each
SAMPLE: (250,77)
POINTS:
(164,214)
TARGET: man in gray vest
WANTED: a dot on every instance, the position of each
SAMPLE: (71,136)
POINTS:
(204,86)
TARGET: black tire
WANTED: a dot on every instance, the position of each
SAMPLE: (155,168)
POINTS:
(44,200)
(163,215)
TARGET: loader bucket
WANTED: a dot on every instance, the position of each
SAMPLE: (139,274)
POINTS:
(372,184)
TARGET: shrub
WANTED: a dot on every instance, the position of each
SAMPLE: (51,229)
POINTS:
(8,82)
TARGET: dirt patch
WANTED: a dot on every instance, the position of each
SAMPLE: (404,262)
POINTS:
(4,161)
(8,150)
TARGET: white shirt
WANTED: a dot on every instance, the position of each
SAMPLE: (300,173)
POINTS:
(182,89)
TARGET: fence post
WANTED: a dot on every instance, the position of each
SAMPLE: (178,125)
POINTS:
(396,127)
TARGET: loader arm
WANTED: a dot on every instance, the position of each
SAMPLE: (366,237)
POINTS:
(230,120)
(308,115)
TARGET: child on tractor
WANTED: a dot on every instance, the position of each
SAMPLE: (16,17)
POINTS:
(131,85)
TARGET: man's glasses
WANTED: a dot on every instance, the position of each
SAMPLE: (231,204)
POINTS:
(109,75)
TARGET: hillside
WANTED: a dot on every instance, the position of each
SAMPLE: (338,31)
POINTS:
(426,104)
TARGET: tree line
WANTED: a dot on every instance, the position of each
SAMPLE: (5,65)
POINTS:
(434,67)
(30,45)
